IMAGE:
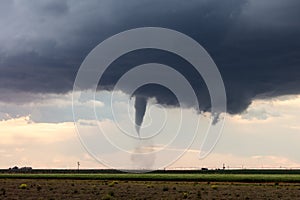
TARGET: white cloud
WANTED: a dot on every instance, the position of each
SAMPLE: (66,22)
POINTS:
(20,130)
(49,108)
(260,110)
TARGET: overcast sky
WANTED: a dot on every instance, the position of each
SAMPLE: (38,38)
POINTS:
(255,45)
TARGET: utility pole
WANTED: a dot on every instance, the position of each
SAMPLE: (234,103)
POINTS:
(78,164)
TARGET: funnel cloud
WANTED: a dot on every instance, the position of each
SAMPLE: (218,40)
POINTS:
(140,109)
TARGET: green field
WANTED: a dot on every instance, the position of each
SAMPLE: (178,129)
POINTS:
(289,178)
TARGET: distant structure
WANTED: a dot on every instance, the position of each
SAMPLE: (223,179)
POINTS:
(78,164)
(224,166)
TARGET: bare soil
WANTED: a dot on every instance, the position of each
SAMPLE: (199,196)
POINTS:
(101,189)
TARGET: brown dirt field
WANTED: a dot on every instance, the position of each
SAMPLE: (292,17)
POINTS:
(101,189)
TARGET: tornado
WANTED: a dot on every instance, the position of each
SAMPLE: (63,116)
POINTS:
(140,109)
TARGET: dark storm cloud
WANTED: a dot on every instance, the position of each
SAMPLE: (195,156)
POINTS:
(254,43)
